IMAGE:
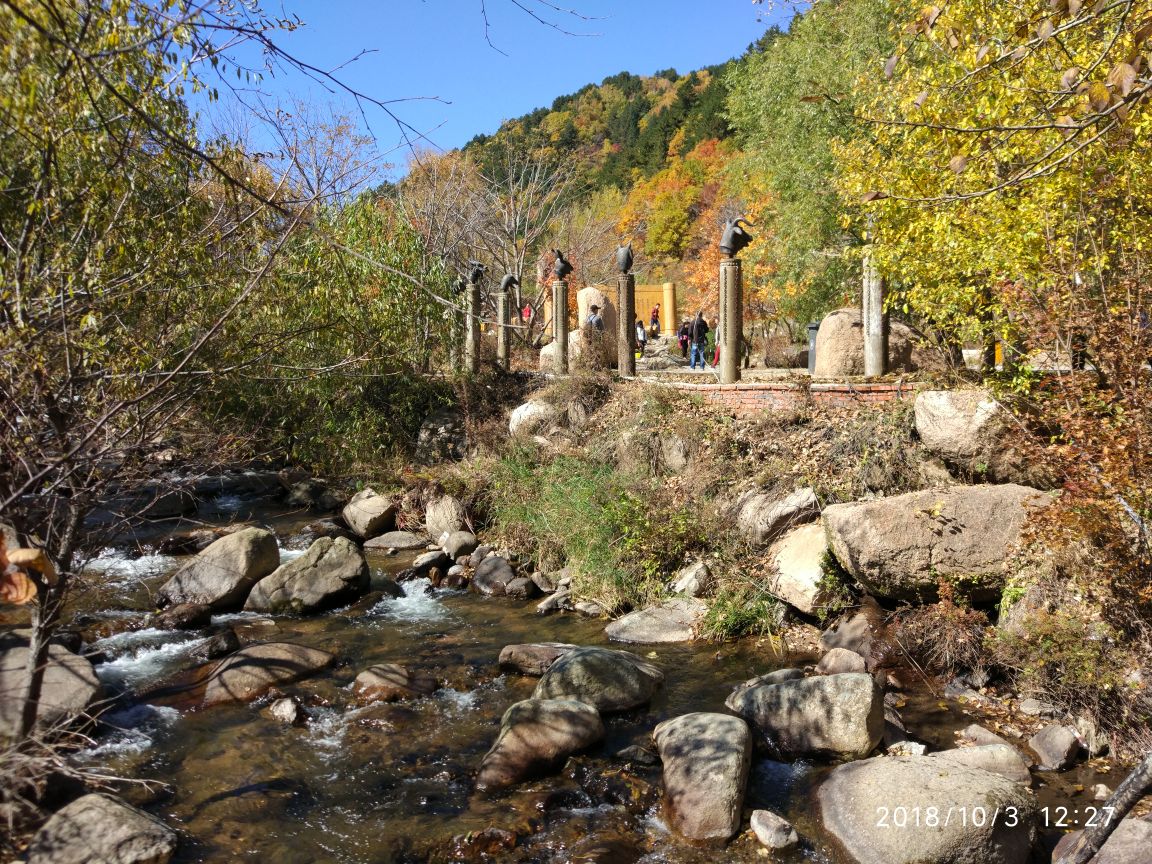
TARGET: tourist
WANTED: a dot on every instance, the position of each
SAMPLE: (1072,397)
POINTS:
(716,353)
(595,320)
(682,336)
(699,339)
(655,321)
(641,336)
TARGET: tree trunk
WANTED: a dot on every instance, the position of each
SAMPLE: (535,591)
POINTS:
(1133,788)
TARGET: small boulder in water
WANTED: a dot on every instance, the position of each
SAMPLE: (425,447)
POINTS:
(102,828)
(492,576)
(774,832)
(390,682)
(215,646)
(396,540)
(521,588)
(536,735)
(253,671)
(532,658)
(706,758)
(223,574)
(330,573)
(182,616)
(70,685)
(672,621)
(459,543)
(370,514)
(608,680)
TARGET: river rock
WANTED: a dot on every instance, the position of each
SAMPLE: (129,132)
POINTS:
(797,574)
(864,632)
(900,547)
(182,616)
(706,759)
(840,660)
(1002,759)
(532,658)
(101,829)
(522,588)
(609,680)
(424,563)
(444,515)
(479,555)
(544,582)
(385,584)
(533,417)
(841,715)
(840,347)
(559,601)
(390,682)
(493,575)
(459,543)
(1130,843)
(215,646)
(774,832)
(1055,746)
(222,575)
(761,518)
(672,621)
(779,676)
(980,736)
(253,671)
(694,580)
(287,710)
(536,736)
(871,806)
(443,437)
(330,573)
(70,686)
(400,540)
(370,514)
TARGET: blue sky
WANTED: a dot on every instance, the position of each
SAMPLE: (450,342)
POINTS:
(438,48)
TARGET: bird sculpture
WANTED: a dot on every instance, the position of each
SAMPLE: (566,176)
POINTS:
(508,282)
(477,273)
(624,259)
(735,237)
(561,268)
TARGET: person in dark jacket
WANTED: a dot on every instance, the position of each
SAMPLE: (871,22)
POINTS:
(699,338)
(682,336)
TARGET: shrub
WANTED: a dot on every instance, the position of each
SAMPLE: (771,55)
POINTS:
(742,610)
(947,637)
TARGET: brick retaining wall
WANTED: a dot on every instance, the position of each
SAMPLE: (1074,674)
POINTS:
(753,396)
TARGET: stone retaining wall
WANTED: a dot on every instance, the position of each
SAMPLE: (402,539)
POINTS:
(753,396)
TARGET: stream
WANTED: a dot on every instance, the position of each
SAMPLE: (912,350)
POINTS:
(393,782)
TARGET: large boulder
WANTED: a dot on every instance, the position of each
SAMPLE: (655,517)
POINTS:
(838,715)
(1130,843)
(370,514)
(70,686)
(586,298)
(534,417)
(493,576)
(840,347)
(901,547)
(330,573)
(694,580)
(706,759)
(222,575)
(1056,747)
(761,518)
(797,576)
(536,736)
(673,620)
(444,515)
(443,437)
(609,680)
(918,810)
(390,682)
(253,671)
(532,658)
(101,829)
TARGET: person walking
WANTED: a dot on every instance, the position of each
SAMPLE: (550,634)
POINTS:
(682,336)
(655,320)
(641,337)
(595,319)
(716,353)
(699,337)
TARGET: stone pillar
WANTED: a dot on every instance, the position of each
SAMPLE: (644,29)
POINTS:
(472,331)
(503,333)
(671,322)
(626,325)
(731,319)
(560,325)
(875,321)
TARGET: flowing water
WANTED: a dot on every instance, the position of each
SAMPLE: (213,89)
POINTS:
(393,782)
